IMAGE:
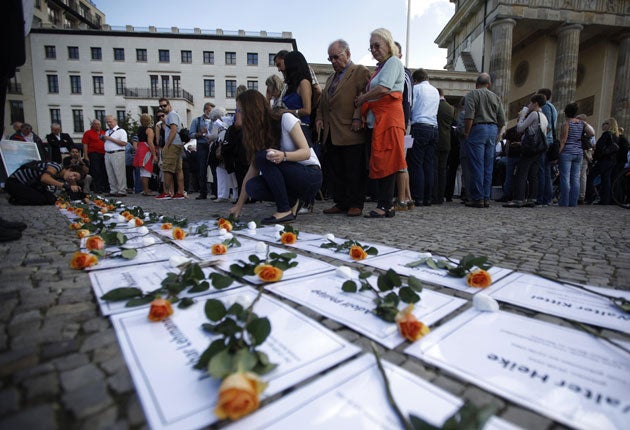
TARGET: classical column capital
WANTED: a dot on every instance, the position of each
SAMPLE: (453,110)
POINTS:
(502,21)
(566,27)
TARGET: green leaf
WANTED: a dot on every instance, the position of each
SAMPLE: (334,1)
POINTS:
(408,295)
(129,254)
(371,251)
(258,330)
(416,263)
(414,283)
(391,299)
(431,263)
(221,364)
(364,275)
(193,271)
(419,424)
(123,293)
(121,239)
(228,327)
(202,286)
(140,301)
(457,272)
(236,309)
(185,302)
(246,360)
(263,366)
(214,309)
(621,303)
(349,286)
(388,281)
(386,312)
(220,281)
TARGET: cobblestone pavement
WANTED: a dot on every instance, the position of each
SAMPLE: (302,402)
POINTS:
(60,363)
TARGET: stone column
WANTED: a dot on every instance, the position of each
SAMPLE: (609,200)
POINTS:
(565,69)
(501,59)
(621,90)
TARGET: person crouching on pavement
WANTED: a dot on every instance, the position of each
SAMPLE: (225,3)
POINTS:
(29,184)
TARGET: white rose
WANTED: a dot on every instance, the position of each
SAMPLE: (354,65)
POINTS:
(330,236)
(118,202)
(484,303)
(251,225)
(344,272)
(161,218)
(228,236)
(120,218)
(222,232)
(261,248)
(178,260)
(143,230)
(424,255)
(148,241)
(279,227)
(131,222)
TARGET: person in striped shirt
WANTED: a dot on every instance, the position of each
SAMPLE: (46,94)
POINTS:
(30,184)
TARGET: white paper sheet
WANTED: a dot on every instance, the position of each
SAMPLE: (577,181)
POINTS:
(555,298)
(314,247)
(160,357)
(323,294)
(151,254)
(565,374)
(306,266)
(201,247)
(353,397)
(270,234)
(213,230)
(147,277)
(397,261)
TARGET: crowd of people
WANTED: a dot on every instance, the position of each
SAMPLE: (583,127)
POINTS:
(387,136)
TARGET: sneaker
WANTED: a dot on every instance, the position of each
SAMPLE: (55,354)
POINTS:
(164,196)
(178,196)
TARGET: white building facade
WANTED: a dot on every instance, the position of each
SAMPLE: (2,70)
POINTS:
(74,75)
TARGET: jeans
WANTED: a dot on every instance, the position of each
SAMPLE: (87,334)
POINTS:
(284,182)
(603,168)
(202,167)
(508,185)
(481,148)
(527,171)
(569,178)
(137,181)
(420,159)
(544,181)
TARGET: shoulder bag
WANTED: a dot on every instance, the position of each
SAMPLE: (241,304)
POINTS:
(534,143)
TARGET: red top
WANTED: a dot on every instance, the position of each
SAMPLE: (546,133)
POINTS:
(94,143)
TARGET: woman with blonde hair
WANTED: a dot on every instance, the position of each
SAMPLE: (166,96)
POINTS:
(605,156)
(145,153)
(381,106)
(274,90)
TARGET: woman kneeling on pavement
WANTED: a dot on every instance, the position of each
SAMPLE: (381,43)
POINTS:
(282,167)
(29,184)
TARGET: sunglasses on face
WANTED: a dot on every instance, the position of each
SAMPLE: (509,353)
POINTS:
(163,106)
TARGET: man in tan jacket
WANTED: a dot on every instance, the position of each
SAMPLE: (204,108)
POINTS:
(341,130)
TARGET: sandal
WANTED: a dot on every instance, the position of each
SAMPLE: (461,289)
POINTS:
(388,213)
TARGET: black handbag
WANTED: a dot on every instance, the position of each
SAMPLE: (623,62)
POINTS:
(534,143)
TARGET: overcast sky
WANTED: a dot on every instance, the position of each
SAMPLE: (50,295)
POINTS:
(313,24)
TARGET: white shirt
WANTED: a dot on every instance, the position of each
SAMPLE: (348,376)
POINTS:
(116,133)
(286,142)
(426,100)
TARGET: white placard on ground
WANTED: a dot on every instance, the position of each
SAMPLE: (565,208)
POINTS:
(212,231)
(150,254)
(565,374)
(314,246)
(160,357)
(353,397)
(201,247)
(323,294)
(306,266)
(555,298)
(147,277)
(270,234)
(397,261)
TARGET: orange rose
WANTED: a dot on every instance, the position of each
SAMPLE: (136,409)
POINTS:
(167,226)
(479,279)
(95,243)
(99,203)
(160,309)
(218,249)
(81,260)
(60,204)
(111,207)
(76,225)
(85,219)
(268,273)
(83,233)
(104,211)
(70,209)
(139,222)
(288,238)
(79,212)
(129,217)
(357,253)
(178,233)
(125,214)
(238,395)
(409,326)
(223,223)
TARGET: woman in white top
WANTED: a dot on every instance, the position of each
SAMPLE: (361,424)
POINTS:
(282,168)
(530,119)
